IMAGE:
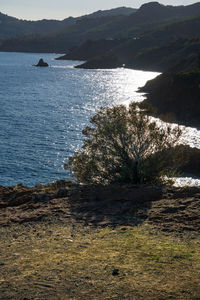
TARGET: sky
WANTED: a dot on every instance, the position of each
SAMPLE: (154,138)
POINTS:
(60,9)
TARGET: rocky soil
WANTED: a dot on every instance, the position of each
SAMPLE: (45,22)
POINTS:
(166,208)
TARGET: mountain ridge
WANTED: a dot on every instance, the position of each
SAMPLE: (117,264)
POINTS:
(146,18)
(12,26)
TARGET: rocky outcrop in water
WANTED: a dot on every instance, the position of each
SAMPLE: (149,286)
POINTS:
(41,63)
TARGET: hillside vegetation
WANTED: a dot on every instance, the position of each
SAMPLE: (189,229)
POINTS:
(103,26)
(156,50)
(13,27)
(29,32)
(176,95)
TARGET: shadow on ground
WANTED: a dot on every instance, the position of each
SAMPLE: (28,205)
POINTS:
(168,209)
(113,205)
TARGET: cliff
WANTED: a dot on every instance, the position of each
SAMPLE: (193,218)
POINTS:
(176,93)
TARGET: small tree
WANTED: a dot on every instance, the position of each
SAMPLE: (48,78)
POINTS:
(124,145)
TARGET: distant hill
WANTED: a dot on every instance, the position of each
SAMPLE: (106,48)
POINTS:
(106,26)
(158,49)
(12,27)
(62,40)
(90,48)
(119,11)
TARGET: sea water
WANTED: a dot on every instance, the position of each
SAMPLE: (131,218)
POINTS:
(43,112)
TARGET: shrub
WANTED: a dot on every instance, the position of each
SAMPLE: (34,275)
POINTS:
(125,145)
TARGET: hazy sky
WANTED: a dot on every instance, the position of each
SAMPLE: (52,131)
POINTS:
(60,9)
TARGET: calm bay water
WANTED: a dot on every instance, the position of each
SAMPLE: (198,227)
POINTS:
(43,111)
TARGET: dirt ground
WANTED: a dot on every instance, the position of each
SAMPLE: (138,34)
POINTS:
(65,241)
(167,208)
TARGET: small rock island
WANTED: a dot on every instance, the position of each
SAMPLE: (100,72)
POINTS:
(41,63)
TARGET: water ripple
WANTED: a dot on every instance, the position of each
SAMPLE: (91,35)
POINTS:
(43,111)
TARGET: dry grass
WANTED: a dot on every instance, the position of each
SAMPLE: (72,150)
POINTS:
(58,260)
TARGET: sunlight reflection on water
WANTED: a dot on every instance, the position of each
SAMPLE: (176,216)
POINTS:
(43,112)
(190,136)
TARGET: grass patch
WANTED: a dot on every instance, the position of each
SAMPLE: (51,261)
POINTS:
(56,260)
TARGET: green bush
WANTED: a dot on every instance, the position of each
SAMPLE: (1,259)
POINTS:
(124,145)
